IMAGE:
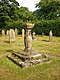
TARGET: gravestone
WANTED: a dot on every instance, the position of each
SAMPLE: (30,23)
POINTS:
(7,32)
(16,32)
(12,37)
(23,35)
(33,35)
(50,36)
(42,34)
(3,33)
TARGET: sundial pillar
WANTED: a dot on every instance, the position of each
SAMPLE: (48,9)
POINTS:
(28,37)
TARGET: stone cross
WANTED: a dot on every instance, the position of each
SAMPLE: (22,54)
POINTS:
(12,37)
(3,33)
(28,37)
(16,32)
(23,35)
(50,35)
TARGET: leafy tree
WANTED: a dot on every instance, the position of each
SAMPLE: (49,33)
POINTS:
(8,11)
(48,9)
(25,15)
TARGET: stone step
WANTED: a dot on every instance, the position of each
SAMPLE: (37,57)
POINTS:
(16,60)
(26,63)
(26,57)
(23,57)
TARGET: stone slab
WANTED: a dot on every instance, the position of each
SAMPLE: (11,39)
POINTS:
(27,57)
(26,63)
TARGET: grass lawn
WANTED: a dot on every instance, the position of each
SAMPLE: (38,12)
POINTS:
(45,71)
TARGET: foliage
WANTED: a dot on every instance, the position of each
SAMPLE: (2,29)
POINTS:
(12,16)
(48,17)
(48,9)
(8,12)
(45,26)
(24,14)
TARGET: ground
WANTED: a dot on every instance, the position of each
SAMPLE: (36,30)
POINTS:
(45,71)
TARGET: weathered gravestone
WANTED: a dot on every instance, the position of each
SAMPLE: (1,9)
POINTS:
(16,32)
(12,37)
(50,35)
(42,34)
(7,32)
(23,35)
(27,57)
(33,35)
(3,33)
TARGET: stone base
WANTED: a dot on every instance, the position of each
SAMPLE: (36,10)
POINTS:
(12,40)
(24,59)
(24,56)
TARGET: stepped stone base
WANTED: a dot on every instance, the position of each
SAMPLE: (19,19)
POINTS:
(25,59)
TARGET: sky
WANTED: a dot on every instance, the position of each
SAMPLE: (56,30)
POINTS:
(28,3)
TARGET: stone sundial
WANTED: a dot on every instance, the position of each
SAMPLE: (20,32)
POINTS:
(28,37)
(28,56)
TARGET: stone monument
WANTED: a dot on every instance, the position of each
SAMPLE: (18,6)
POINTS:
(7,32)
(3,33)
(33,35)
(28,56)
(42,34)
(16,32)
(12,37)
(50,36)
(28,38)
(23,35)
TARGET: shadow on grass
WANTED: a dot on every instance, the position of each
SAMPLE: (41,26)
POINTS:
(9,51)
(14,61)
(45,40)
(6,41)
(10,57)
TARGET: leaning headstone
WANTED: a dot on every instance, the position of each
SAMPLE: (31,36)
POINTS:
(50,36)
(33,36)
(23,35)
(16,32)
(12,37)
(7,32)
(3,33)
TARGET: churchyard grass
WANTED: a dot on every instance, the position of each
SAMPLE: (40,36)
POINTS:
(43,71)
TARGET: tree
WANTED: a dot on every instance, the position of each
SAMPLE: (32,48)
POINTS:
(25,15)
(8,12)
(48,9)
(11,13)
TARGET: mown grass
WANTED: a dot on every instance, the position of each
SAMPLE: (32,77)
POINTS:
(45,71)
(43,45)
